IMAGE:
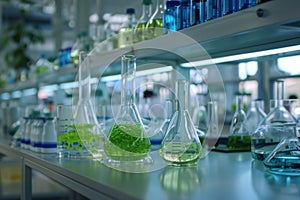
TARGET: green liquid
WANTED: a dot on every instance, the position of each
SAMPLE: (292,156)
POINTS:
(180,153)
(78,137)
(126,142)
(140,32)
(126,36)
(155,29)
(239,142)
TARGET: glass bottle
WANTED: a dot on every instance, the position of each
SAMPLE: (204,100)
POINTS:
(187,13)
(228,7)
(85,120)
(200,115)
(126,32)
(278,124)
(196,5)
(181,145)
(127,141)
(172,17)
(239,138)
(154,26)
(139,31)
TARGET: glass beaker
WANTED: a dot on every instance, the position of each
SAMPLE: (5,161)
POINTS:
(181,144)
(85,120)
(127,141)
(239,138)
(278,124)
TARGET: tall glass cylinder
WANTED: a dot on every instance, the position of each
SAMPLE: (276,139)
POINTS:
(127,141)
(85,120)
(181,145)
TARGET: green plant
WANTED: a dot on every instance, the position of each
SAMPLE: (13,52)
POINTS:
(17,36)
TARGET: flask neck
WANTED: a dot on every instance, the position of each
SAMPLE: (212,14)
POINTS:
(279,92)
(146,13)
(239,103)
(182,92)
(84,77)
(128,80)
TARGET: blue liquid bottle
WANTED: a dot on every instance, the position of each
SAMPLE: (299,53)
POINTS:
(228,7)
(172,16)
(187,13)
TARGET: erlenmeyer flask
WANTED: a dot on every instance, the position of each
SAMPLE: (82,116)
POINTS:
(85,120)
(278,124)
(255,115)
(285,158)
(181,145)
(127,141)
(239,138)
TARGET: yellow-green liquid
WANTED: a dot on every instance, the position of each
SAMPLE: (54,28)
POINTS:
(155,29)
(180,153)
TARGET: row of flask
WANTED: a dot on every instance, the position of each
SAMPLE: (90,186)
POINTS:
(38,134)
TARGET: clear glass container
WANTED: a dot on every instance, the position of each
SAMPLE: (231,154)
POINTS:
(278,124)
(285,158)
(171,17)
(255,115)
(181,145)
(139,31)
(200,118)
(239,138)
(126,32)
(127,142)
(154,26)
(85,119)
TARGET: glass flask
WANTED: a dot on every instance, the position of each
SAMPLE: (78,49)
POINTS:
(141,23)
(181,145)
(154,26)
(126,32)
(127,141)
(200,117)
(212,135)
(239,138)
(285,158)
(255,115)
(85,120)
(278,124)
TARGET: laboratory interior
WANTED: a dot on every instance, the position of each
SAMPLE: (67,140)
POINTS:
(207,91)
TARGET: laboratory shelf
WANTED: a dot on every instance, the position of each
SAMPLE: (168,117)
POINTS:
(217,176)
(270,25)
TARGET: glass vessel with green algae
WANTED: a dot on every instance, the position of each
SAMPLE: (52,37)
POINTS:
(239,138)
(85,120)
(127,141)
(181,144)
(278,124)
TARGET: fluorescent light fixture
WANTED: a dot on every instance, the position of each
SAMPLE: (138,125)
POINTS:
(289,64)
(49,88)
(242,71)
(16,94)
(5,96)
(29,92)
(69,85)
(252,68)
(242,56)
(154,71)
(139,73)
